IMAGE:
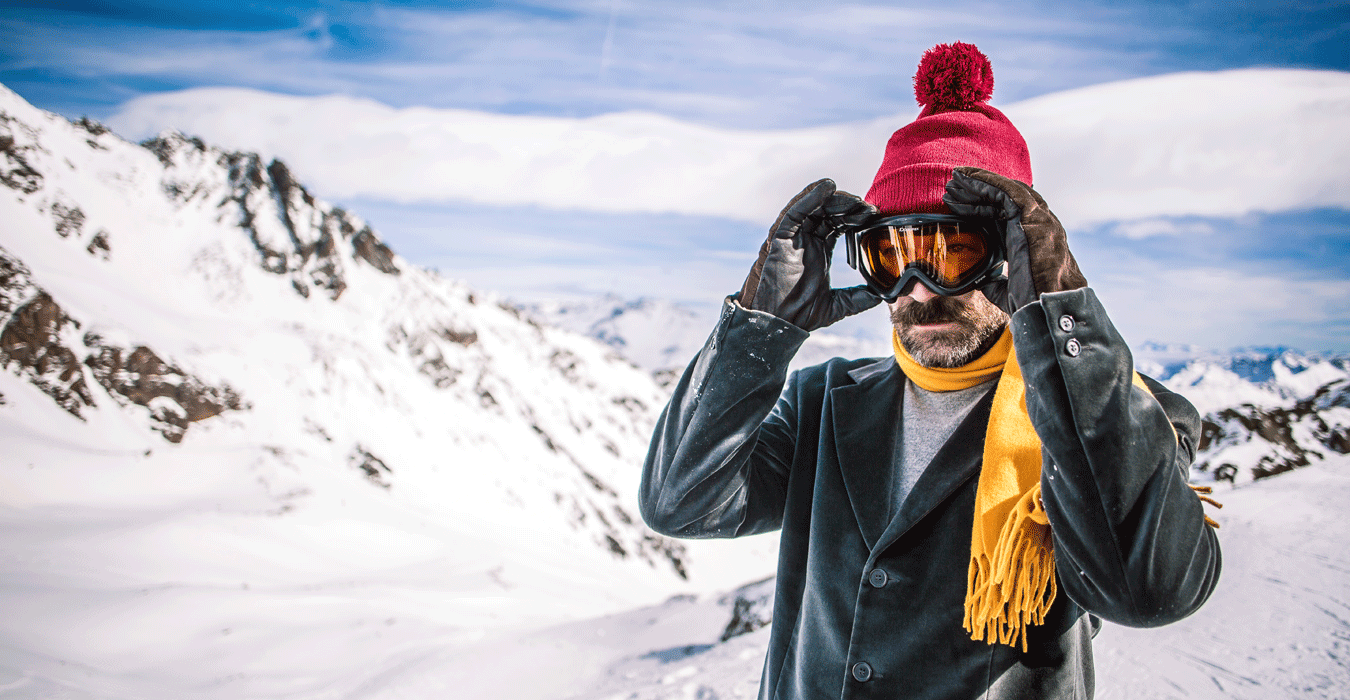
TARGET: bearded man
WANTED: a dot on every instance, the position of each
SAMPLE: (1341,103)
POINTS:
(958,519)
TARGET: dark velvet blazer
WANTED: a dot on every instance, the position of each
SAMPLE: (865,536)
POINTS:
(869,600)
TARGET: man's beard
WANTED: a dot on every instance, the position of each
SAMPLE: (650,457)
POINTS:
(978,325)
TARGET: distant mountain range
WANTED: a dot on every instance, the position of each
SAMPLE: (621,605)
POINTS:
(656,335)
(1266,410)
(662,337)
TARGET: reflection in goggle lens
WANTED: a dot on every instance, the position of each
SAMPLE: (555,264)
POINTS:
(944,251)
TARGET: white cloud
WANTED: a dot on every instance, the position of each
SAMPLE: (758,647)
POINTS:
(1202,144)
(1148,228)
(626,162)
(747,65)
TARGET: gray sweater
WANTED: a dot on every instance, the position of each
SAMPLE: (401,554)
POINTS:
(928,419)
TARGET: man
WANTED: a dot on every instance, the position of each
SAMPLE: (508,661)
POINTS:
(958,519)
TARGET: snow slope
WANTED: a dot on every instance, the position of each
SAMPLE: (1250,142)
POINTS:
(1276,627)
(251,452)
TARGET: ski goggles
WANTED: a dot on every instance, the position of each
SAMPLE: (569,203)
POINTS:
(950,254)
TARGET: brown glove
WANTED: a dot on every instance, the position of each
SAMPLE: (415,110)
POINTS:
(1038,254)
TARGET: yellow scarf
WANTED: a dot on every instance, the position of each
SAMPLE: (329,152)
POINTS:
(1011,580)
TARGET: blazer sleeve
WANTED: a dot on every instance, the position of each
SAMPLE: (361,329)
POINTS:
(720,455)
(1131,543)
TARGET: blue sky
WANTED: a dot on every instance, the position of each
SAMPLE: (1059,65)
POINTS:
(731,65)
(749,64)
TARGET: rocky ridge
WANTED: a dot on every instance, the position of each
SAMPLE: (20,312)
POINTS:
(39,341)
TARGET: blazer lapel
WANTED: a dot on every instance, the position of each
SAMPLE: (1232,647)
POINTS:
(957,461)
(866,416)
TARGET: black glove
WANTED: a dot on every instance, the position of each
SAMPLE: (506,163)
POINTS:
(1039,260)
(791,279)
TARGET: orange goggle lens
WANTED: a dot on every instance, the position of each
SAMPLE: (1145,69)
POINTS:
(948,253)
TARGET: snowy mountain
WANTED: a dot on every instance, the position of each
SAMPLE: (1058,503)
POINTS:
(247,445)
(1266,410)
(662,336)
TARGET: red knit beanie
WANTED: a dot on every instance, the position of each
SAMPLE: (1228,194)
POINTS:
(955,128)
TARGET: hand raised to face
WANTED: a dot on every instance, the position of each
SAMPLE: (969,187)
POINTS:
(791,278)
(1038,254)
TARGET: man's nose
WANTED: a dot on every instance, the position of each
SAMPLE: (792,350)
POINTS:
(921,292)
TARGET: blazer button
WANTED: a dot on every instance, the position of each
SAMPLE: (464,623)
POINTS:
(862,672)
(1072,347)
(877,578)
(1066,323)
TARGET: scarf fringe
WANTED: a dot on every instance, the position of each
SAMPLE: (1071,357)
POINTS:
(1015,590)
(1011,581)
(1203,492)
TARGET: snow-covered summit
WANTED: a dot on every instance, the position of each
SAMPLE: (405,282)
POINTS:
(221,395)
(1275,374)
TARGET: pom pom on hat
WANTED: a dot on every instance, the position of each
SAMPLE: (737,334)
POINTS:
(953,76)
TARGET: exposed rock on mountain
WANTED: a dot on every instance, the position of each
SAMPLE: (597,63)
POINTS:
(37,340)
(751,608)
(293,233)
(16,173)
(1270,440)
(173,397)
(31,341)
